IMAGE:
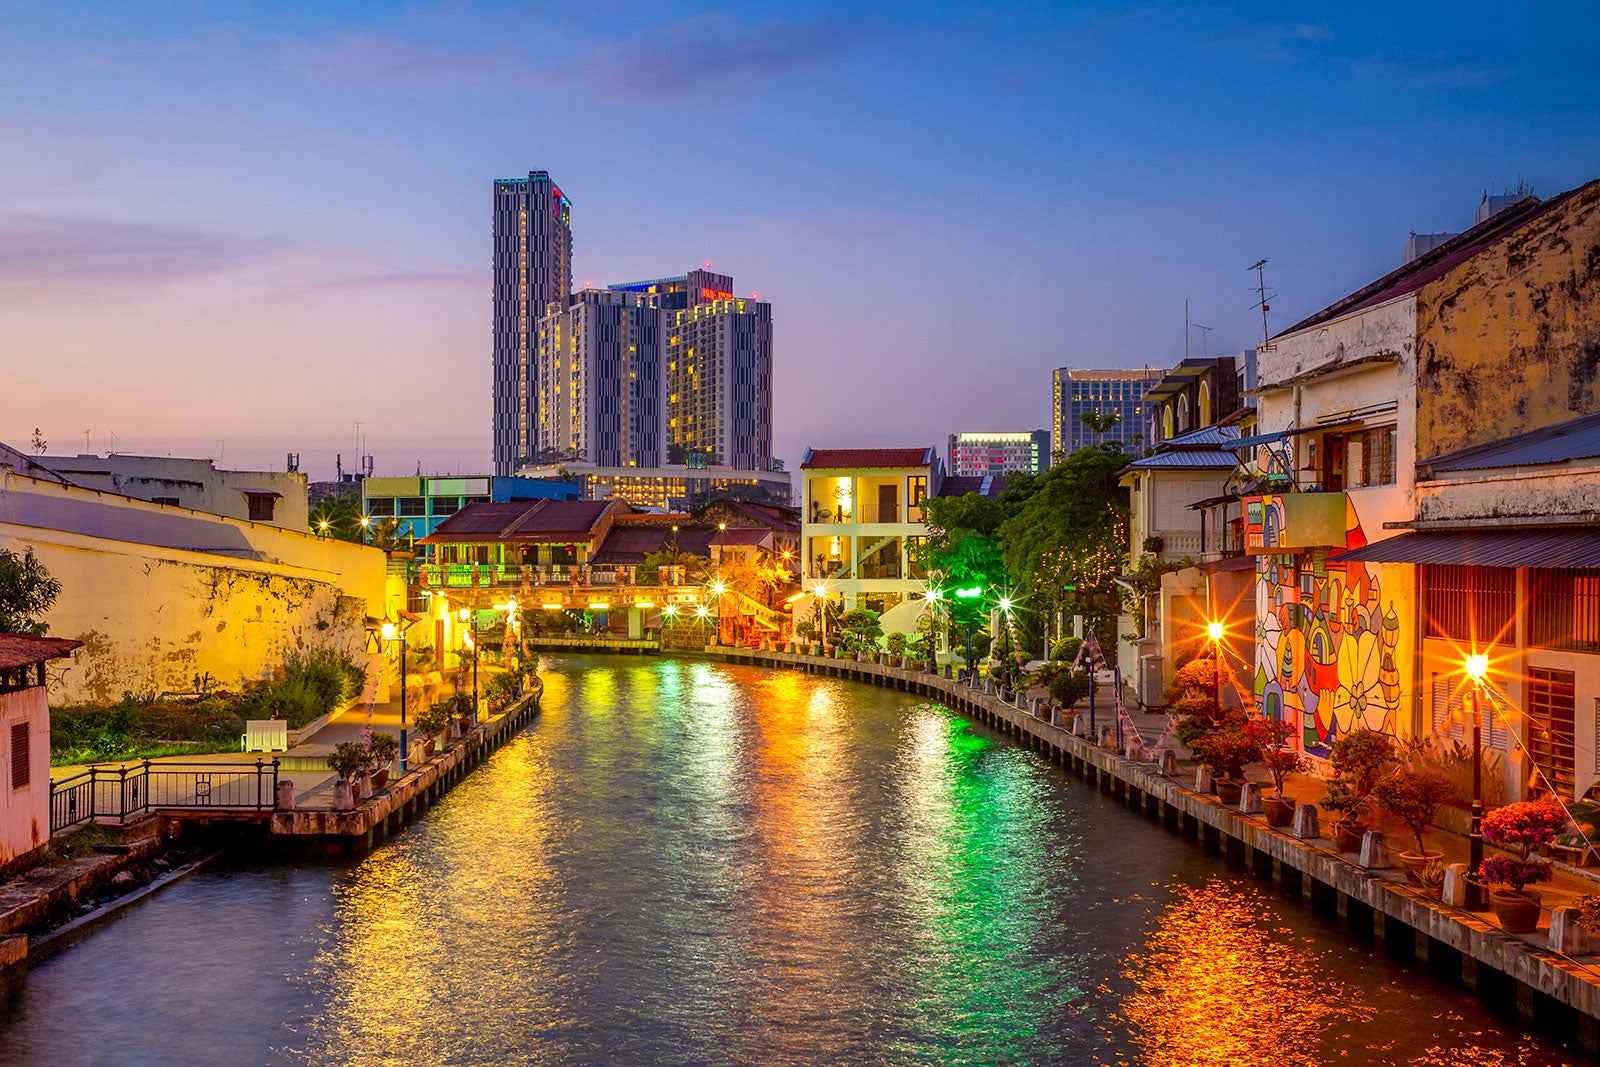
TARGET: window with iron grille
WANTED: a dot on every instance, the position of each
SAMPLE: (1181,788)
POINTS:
(1473,605)
(1551,713)
(1566,609)
(21,760)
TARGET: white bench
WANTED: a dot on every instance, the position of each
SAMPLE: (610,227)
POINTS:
(265,735)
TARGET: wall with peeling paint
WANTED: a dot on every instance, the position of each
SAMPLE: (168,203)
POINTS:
(1510,340)
(152,613)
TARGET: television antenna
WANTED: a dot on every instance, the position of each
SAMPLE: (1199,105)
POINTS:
(1261,300)
(1204,331)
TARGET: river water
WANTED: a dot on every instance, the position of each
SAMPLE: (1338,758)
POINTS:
(682,862)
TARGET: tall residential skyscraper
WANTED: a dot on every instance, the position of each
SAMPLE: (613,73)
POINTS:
(600,397)
(532,271)
(1104,392)
(718,371)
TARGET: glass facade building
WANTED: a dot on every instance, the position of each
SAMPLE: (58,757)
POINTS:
(1101,392)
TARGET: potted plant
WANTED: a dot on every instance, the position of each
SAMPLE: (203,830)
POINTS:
(1414,795)
(346,759)
(433,721)
(1226,751)
(1067,688)
(896,641)
(1589,916)
(381,752)
(1431,879)
(1359,759)
(1519,828)
(1280,761)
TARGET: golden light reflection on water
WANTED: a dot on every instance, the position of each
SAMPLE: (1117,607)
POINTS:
(1216,987)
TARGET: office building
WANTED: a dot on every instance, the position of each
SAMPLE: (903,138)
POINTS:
(977,455)
(667,488)
(1117,393)
(600,385)
(532,271)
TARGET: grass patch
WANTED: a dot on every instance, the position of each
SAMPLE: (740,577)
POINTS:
(78,844)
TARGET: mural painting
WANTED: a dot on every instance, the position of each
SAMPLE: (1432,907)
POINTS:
(1326,632)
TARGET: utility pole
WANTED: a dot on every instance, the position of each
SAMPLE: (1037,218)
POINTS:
(1261,299)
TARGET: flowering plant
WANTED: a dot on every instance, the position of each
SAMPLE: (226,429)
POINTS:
(1516,873)
(1276,756)
(1525,824)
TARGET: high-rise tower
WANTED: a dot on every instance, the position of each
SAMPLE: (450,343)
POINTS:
(600,381)
(532,277)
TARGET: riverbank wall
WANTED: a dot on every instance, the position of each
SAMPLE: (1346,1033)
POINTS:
(1556,993)
(377,817)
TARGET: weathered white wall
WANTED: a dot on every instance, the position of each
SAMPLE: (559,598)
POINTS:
(1510,493)
(196,483)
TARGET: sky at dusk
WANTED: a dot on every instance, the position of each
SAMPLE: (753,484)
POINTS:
(238,230)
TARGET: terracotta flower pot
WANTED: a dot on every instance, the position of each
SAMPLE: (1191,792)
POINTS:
(1279,812)
(1347,834)
(1415,861)
(1228,791)
(1518,912)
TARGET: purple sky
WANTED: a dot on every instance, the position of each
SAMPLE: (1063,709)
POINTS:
(239,230)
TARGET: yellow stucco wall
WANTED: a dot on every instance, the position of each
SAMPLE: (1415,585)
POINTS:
(1510,340)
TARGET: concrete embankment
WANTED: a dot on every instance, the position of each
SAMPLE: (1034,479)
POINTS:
(1560,994)
(376,817)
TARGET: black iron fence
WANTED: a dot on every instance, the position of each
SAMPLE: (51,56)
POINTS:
(120,793)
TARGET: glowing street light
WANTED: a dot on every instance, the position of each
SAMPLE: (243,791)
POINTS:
(397,632)
(1476,666)
(1215,630)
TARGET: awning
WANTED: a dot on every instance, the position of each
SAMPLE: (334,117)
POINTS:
(1571,546)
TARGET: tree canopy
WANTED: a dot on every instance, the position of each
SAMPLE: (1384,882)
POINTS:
(26,592)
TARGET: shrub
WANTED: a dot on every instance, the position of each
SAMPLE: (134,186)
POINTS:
(896,643)
(433,719)
(859,630)
(1228,749)
(382,749)
(1069,687)
(347,759)
(1066,649)
(1276,756)
(1414,796)
(1514,872)
(1359,759)
(1523,825)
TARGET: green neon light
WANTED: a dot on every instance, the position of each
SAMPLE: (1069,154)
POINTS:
(967,593)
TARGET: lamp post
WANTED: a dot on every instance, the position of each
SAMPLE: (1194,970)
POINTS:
(467,616)
(397,632)
(968,594)
(1477,666)
(717,586)
(820,590)
(1214,630)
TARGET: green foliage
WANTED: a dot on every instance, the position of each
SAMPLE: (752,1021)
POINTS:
(1414,796)
(896,643)
(1067,538)
(433,719)
(1068,687)
(347,759)
(382,749)
(338,517)
(1359,759)
(26,593)
(859,630)
(1066,649)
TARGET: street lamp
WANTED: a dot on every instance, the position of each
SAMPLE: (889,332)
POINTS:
(466,615)
(1215,630)
(397,632)
(1476,666)
(968,594)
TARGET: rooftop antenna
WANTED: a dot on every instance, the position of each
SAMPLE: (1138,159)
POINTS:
(1261,299)
(111,449)
(1205,351)
(86,442)
(1185,327)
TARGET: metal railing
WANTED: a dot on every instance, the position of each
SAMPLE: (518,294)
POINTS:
(121,793)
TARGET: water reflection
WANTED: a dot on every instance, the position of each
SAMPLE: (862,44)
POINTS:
(682,862)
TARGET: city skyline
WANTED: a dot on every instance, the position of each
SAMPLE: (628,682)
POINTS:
(905,222)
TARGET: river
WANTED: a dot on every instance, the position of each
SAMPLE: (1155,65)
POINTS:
(681,862)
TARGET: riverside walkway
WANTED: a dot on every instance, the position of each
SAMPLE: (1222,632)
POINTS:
(1558,991)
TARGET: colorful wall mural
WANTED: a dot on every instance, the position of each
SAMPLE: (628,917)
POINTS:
(1327,633)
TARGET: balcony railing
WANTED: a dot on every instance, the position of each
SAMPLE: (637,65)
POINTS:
(864,513)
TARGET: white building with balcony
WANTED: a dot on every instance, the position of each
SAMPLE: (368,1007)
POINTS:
(861,523)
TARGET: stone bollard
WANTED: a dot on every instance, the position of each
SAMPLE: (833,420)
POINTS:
(1305,822)
(1033,706)
(285,795)
(1080,726)
(1134,752)
(1567,935)
(1455,885)
(1374,851)
(1202,780)
(342,800)
(1107,735)
(1169,763)
(419,751)
(1250,799)
(988,687)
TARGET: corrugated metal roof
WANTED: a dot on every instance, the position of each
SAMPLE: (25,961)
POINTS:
(985,485)
(1569,546)
(1577,438)
(521,521)
(1205,435)
(1193,458)
(23,650)
(867,458)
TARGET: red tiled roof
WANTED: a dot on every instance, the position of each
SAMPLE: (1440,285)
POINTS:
(866,458)
(23,650)
(1437,262)
(521,521)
